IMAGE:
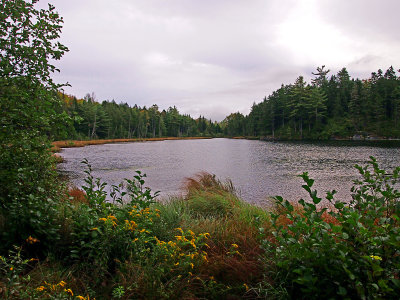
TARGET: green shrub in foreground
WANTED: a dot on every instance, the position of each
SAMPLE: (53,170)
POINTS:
(352,254)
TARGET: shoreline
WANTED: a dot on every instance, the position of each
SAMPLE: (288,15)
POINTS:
(57,145)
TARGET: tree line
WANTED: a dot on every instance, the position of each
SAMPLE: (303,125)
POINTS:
(90,119)
(328,107)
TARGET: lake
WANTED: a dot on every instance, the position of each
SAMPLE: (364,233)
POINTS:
(258,169)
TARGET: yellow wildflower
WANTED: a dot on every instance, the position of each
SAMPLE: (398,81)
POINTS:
(11,268)
(246,286)
(103,219)
(375,257)
(235,246)
(69,292)
(40,288)
(192,265)
(62,283)
(111,217)
(32,240)
(94,228)
(135,240)
(177,263)
(81,297)
(180,229)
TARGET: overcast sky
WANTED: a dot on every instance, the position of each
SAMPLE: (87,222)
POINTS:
(215,57)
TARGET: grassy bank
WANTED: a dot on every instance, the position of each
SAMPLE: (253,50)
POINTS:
(57,145)
(210,245)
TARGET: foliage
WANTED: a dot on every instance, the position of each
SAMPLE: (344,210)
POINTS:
(333,107)
(28,181)
(352,254)
(109,120)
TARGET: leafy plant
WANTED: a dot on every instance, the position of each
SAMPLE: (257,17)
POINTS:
(354,253)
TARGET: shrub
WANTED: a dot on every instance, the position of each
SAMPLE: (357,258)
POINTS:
(356,256)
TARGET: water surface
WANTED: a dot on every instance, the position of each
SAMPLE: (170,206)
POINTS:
(258,169)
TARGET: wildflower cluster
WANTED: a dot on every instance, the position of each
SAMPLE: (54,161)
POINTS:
(32,240)
(184,253)
(57,291)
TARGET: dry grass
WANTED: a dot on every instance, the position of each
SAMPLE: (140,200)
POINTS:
(234,251)
(206,182)
(77,195)
(73,143)
(234,244)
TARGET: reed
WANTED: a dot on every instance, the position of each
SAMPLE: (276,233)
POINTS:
(57,145)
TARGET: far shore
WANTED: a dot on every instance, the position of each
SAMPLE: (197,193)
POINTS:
(57,145)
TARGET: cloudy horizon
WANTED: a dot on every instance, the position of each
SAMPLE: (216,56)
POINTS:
(218,57)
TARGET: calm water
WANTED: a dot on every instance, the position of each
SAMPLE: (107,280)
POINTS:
(258,169)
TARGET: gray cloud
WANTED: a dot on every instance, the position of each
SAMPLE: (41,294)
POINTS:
(217,57)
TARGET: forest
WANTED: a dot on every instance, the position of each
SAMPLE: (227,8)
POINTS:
(328,108)
(90,119)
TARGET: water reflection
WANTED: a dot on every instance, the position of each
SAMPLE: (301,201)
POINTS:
(258,169)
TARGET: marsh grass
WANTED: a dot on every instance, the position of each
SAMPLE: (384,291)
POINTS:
(212,206)
(57,145)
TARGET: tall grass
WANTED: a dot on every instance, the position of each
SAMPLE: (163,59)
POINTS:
(57,145)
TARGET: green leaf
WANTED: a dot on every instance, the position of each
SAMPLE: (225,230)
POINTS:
(342,291)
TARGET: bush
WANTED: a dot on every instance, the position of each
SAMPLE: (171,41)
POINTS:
(352,254)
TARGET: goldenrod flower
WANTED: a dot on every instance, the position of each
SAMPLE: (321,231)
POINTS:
(62,283)
(375,257)
(111,217)
(32,240)
(69,292)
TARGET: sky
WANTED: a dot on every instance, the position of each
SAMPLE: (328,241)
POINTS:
(216,57)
